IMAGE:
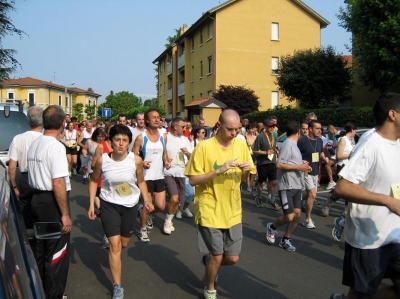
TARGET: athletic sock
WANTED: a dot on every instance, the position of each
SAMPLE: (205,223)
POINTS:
(273,227)
(273,197)
(284,238)
(169,218)
(143,228)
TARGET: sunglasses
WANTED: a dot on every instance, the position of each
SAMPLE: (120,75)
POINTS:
(202,132)
(181,126)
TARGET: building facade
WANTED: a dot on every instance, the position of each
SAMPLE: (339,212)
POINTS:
(239,42)
(43,93)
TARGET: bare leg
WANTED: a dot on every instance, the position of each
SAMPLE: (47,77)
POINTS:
(311,195)
(213,265)
(173,205)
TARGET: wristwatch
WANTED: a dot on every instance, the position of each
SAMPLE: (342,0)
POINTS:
(15,187)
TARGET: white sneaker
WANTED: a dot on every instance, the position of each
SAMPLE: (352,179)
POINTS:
(186,212)
(168,228)
(178,214)
(309,223)
(331,185)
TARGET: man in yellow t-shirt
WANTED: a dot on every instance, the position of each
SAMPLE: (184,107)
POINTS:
(217,167)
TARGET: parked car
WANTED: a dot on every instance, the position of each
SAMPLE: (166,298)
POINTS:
(12,122)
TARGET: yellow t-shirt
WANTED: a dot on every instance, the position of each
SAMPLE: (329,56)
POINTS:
(217,203)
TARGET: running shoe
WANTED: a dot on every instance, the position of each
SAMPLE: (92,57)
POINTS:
(331,185)
(338,296)
(274,205)
(149,223)
(270,234)
(118,292)
(309,223)
(209,294)
(178,214)
(73,171)
(104,242)
(186,212)
(144,236)
(249,189)
(258,202)
(325,210)
(287,245)
(168,227)
(337,229)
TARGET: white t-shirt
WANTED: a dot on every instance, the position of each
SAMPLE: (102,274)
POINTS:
(19,148)
(163,131)
(374,166)
(115,187)
(174,152)
(47,161)
(135,133)
(240,136)
(133,140)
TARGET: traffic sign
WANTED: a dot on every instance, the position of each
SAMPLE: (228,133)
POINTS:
(106,112)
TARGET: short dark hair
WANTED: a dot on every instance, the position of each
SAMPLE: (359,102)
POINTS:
(292,127)
(383,104)
(53,117)
(120,130)
(74,118)
(122,115)
(146,114)
(312,123)
(176,121)
(97,132)
(350,126)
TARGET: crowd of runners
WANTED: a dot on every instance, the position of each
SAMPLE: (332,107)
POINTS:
(135,168)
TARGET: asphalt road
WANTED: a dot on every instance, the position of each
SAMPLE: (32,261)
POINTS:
(170,267)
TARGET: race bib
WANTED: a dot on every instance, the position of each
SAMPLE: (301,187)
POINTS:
(123,189)
(315,157)
(70,143)
(270,157)
(396,191)
(180,159)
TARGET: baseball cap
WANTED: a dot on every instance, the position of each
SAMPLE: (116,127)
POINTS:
(269,123)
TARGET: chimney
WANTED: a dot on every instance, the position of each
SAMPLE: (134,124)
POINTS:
(184,28)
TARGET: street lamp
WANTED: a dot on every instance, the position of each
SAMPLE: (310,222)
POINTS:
(66,90)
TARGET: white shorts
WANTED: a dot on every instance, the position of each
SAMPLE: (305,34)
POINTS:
(311,182)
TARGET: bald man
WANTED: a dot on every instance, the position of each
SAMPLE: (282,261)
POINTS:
(217,167)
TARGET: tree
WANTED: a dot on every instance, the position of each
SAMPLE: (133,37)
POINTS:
(8,63)
(238,98)
(77,111)
(172,39)
(376,40)
(314,78)
(90,111)
(151,102)
(121,102)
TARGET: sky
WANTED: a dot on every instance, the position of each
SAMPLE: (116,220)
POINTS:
(110,45)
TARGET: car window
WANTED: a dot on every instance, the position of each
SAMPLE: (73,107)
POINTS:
(10,126)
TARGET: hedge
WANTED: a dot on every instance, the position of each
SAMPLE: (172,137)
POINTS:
(361,116)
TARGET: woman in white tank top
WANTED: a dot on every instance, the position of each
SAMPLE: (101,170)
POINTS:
(69,139)
(119,197)
(346,144)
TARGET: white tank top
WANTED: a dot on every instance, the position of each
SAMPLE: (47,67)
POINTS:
(119,181)
(347,149)
(70,137)
(153,151)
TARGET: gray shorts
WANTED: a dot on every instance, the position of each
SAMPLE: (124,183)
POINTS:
(311,182)
(220,241)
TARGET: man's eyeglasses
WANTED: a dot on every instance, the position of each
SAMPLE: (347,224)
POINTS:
(181,126)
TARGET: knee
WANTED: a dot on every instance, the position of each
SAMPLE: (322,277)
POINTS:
(296,217)
(289,217)
(174,200)
(274,183)
(115,248)
(159,206)
(231,259)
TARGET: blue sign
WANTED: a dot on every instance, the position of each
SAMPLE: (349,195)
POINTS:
(106,112)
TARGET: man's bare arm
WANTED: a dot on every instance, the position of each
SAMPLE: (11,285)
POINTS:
(12,170)
(60,193)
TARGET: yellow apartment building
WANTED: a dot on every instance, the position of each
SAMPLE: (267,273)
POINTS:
(238,42)
(44,93)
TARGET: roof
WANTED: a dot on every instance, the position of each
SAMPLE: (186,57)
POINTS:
(204,102)
(349,60)
(28,81)
(323,22)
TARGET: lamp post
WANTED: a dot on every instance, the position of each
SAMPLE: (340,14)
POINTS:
(66,90)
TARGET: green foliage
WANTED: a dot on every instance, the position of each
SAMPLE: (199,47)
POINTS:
(239,98)
(77,111)
(8,63)
(314,78)
(362,116)
(375,25)
(90,111)
(151,102)
(172,39)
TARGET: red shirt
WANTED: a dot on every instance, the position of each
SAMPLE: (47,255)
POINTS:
(106,150)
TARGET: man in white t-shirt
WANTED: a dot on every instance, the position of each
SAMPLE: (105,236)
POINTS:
(178,151)
(48,175)
(18,153)
(140,127)
(122,120)
(371,183)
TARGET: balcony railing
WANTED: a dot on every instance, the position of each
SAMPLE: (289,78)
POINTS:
(169,68)
(181,89)
(169,94)
(181,61)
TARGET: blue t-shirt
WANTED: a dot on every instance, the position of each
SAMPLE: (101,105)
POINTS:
(307,147)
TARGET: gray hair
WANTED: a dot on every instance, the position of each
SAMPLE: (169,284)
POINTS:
(34,116)
(311,115)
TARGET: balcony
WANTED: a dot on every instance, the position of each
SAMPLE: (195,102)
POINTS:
(169,68)
(169,94)
(180,114)
(181,61)
(181,89)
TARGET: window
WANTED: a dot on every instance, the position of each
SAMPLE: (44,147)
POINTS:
(192,73)
(201,94)
(67,101)
(210,30)
(210,93)
(31,97)
(11,95)
(59,100)
(274,65)
(192,43)
(275,31)
(201,37)
(201,69)
(274,99)
(160,90)
(210,62)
